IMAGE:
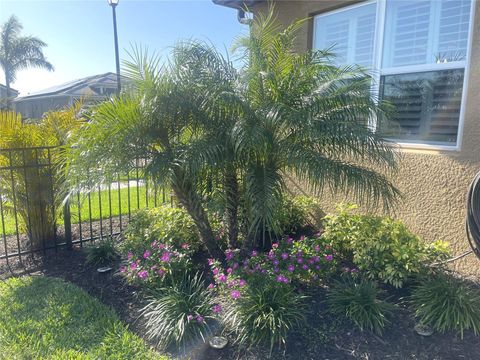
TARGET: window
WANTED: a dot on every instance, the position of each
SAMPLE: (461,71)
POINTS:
(418,50)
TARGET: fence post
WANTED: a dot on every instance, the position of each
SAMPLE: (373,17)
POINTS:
(67,222)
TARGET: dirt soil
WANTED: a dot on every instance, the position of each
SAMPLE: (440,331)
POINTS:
(324,337)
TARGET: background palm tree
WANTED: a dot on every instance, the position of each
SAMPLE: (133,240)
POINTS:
(19,52)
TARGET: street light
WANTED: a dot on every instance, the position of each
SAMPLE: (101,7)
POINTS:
(113,4)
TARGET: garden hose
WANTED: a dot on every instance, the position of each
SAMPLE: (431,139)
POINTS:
(473,215)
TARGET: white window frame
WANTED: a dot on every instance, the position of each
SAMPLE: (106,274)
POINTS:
(378,72)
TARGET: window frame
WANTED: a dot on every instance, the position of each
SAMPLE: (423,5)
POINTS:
(378,71)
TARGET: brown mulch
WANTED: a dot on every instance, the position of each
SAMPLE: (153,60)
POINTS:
(324,337)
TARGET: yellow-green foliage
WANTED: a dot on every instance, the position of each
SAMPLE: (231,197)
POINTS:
(297,212)
(382,248)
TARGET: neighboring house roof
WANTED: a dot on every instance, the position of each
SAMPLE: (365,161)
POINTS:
(90,86)
(12,90)
(236,4)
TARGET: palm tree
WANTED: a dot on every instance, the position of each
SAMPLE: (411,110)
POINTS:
(19,52)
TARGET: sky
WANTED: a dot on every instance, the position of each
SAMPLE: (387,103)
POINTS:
(79,33)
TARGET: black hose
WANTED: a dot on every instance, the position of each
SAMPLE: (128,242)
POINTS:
(473,215)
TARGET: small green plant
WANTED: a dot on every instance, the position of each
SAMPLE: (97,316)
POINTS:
(298,212)
(380,247)
(101,253)
(447,303)
(263,313)
(359,302)
(179,314)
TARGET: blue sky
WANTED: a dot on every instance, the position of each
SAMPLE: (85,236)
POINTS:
(79,33)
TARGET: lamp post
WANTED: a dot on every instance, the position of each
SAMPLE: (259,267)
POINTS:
(113,4)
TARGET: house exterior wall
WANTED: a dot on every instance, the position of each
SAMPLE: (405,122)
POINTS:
(36,107)
(434,183)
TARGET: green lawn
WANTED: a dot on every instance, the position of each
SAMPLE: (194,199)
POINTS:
(47,318)
(138,199)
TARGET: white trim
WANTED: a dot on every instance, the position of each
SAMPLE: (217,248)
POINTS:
(377,70)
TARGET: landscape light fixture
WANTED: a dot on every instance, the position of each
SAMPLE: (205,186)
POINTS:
(113,4)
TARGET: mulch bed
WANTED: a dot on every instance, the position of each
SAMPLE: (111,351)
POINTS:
(324,337)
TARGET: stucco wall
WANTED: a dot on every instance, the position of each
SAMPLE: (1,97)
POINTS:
(434,183)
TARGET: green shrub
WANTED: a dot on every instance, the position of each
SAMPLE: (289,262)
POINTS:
(447,303)
(380,247)
(164,224)
(101,253)
(263,313)
(360,303)
(179,314)
(298,212)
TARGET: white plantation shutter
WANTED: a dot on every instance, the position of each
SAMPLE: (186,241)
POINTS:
(349,33)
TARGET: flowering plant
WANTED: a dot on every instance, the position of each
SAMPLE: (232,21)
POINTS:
(159,263)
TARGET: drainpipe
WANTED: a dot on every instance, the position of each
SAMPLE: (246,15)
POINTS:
(242,18)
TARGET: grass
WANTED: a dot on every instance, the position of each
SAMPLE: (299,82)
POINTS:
(47,318)
(99,204)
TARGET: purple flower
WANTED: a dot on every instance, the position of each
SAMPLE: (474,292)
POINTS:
(305,267)
(276,270)
(229,254)
(289,240)
(242,283)
(154,243)
(316,258)
(200,319)
(317,248)
(300,260)
(280,278)
(254,253)
(222,278)
(229,270)
(317,267)
(310,261)
(147,254)
(215,271)
(284,256)
(211,286)
(161,272)
(129,255)
(217,309)
(161,246)
(302,238)
(165,257)
(143,274)
(276,262)
(235,294)
(189,317)
(133,266)
(211,262)
(123,269)
(291,268)
(235,266)
(329,257)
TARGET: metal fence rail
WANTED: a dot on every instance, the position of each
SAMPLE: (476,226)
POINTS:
(34,219)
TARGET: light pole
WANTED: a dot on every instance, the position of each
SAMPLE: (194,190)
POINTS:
(113,4)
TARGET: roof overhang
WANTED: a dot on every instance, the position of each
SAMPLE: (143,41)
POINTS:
(237,4)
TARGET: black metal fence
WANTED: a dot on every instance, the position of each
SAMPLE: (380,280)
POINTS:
(34,218)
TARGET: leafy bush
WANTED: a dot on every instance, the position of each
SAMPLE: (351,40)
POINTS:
(263,312)
(359,302)
(447,303)
(101,253)
(298,212)
(180,313)
(159,264)
(379,246)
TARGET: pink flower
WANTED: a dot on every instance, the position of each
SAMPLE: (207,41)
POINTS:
(147,254)
(185,246)
(129,255)
(222,278)
(316,258)
(275,245)
(284,256)
(161,272)
(154,243)
(211,286)
(242,283)
(229,270)
(217,309)
(235,266)
(189,317)
(123,269)
(229,254)
(302,238)
(329,257)
(254,253)
(310,261)
(143,274)
(211,262)
(215,271)
(289,240)
(300,260)
(133,266)
(200,319)
(317,248)
(235,294)
(305,267)
(161,246)
(291,268)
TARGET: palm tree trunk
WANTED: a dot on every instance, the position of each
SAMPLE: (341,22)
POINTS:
(192,203)
(7,85)
(231,193)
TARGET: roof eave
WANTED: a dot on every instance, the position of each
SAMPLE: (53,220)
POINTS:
(236,4)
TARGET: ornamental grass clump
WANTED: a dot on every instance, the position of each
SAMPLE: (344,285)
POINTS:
(181,313)
(359,302)
(446,303)
(101,253)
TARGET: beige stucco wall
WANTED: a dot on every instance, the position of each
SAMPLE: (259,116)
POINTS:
(434,183)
